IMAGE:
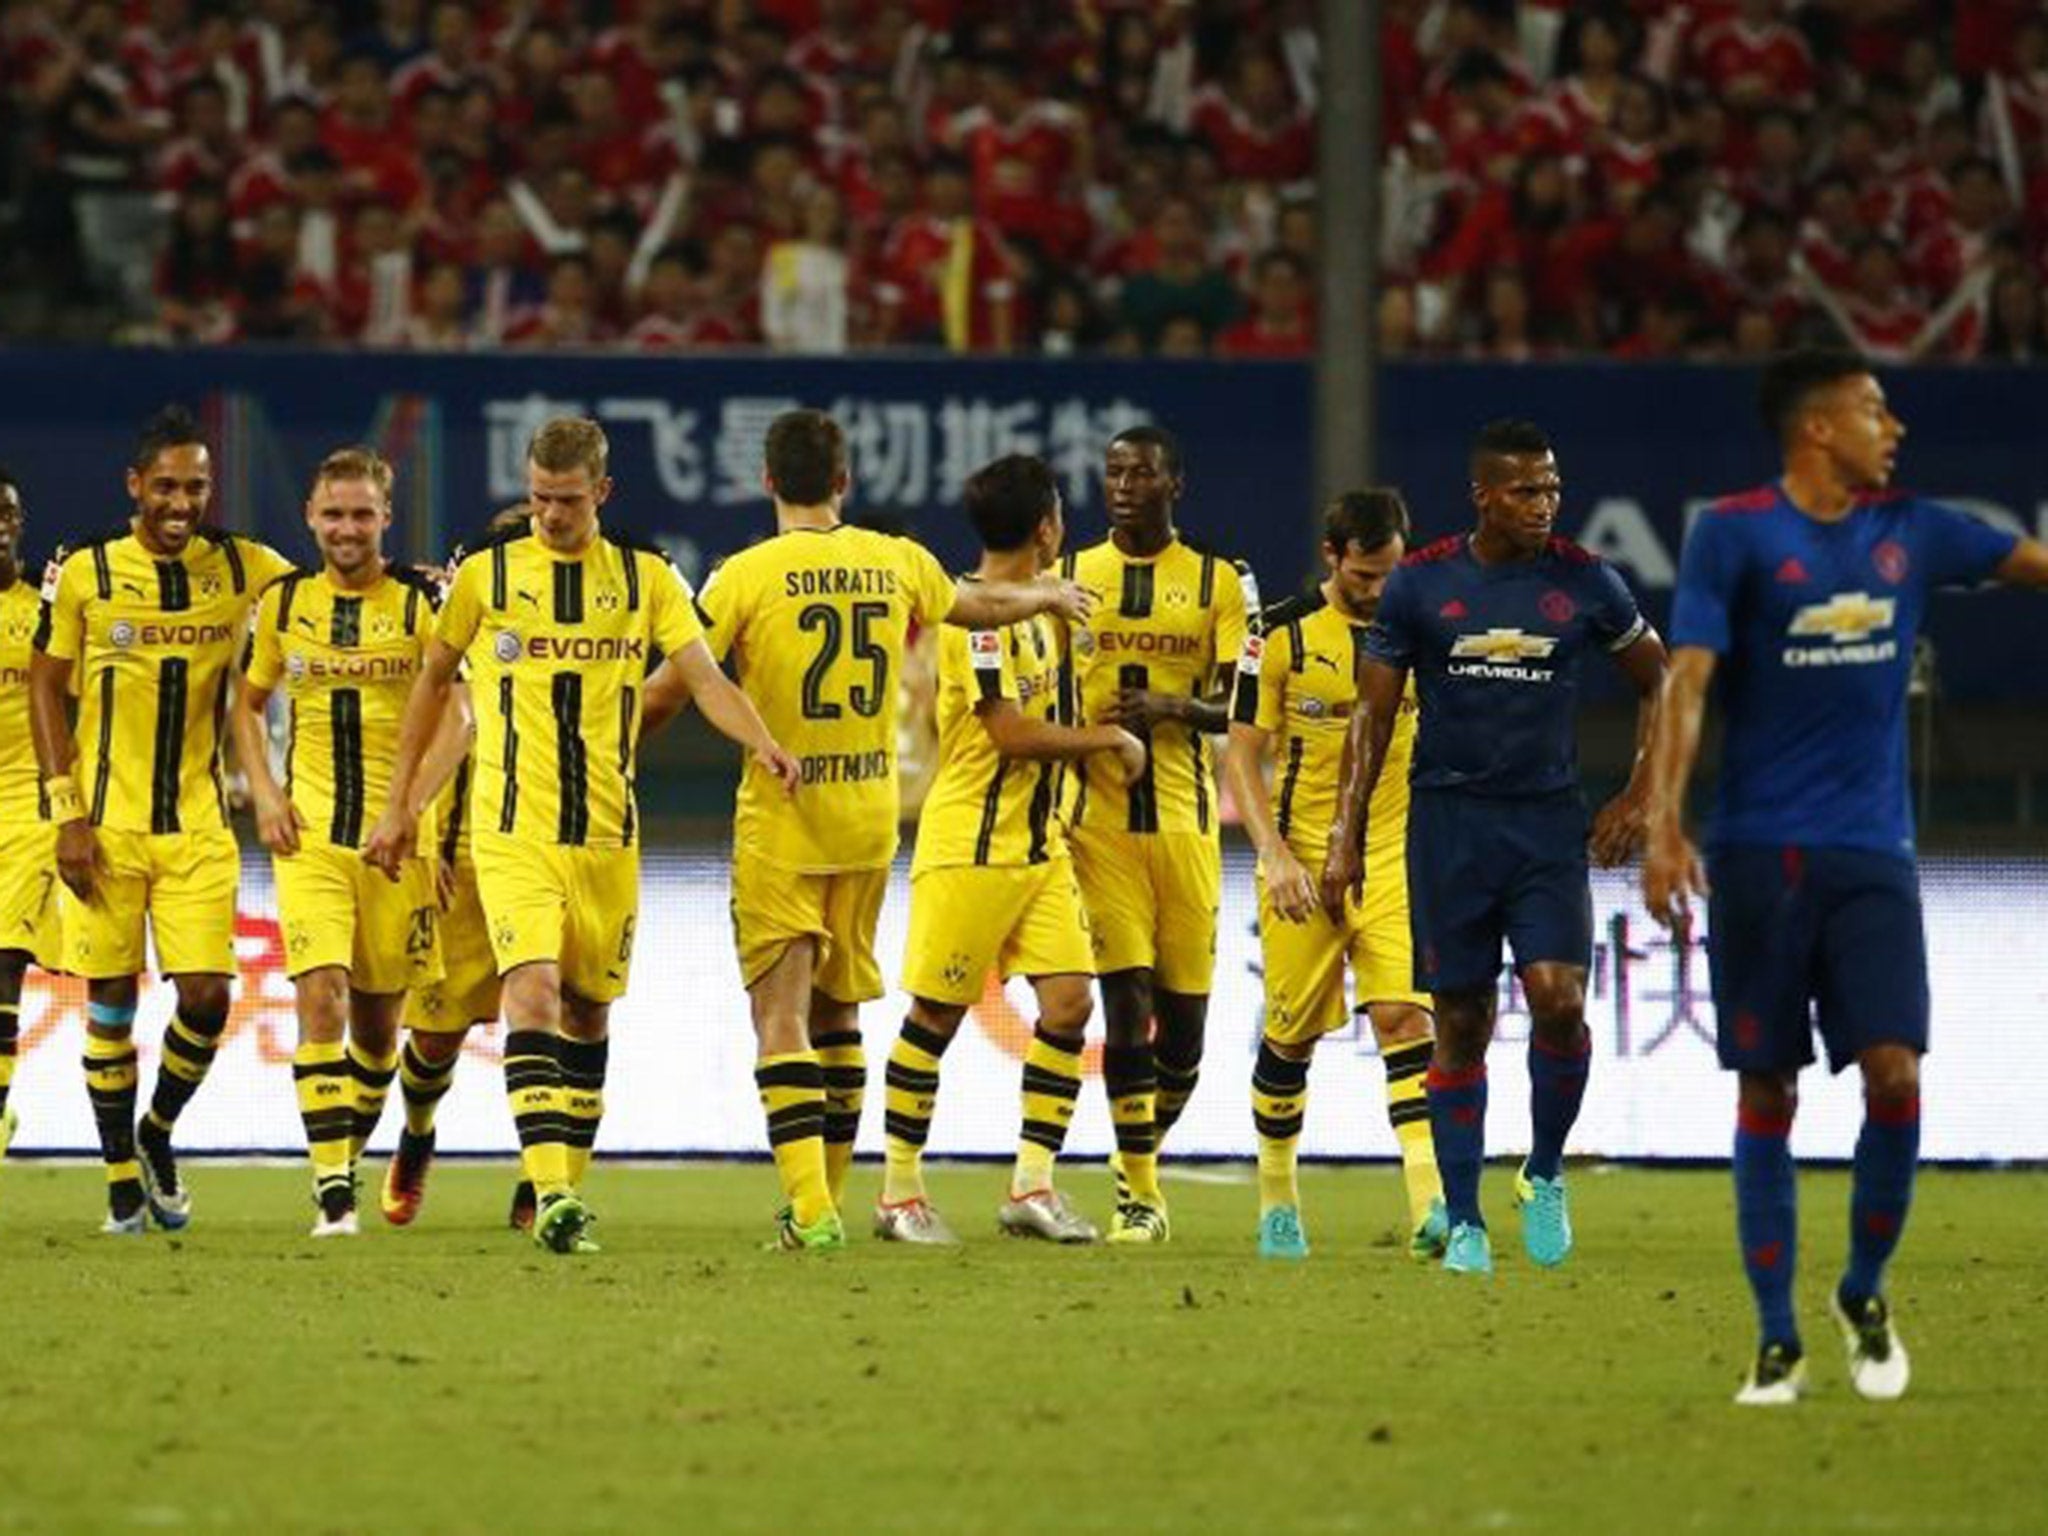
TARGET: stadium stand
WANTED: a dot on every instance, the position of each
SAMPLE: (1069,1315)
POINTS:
(1637,179)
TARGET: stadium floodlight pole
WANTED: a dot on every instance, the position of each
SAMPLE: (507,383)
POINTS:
(1347,225)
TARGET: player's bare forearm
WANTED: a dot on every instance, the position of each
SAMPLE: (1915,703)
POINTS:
(1016,735)
(453,739)
(1675,736)
(246,730)
(732,714)
(1646,663)
(424,708)
(50,715)
(665,696)
(1243,763)
(1366,740)
(2026,566)
(981,604)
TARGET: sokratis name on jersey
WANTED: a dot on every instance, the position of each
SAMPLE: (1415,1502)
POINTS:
(851,581)
(508,647)
(1849,625)
(125,634)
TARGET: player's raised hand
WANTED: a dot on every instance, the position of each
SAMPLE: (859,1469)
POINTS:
(1289,884)
(774,760)
(1617,830)
(277,821)
(1672,876)
(1130,756)
(78,857)
(1073,602)
(1343,875)
(394,839)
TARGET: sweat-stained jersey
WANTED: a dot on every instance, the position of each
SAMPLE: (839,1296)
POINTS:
(1168,622)
(346,661)
(1495,652)
(21,791)
(983,809)
(558,647)
(1814,624)
(1298,681)
(154,643)
(814,621)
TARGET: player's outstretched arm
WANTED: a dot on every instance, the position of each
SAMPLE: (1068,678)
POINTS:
(665,696)
(396,836)
(2026,566)
(1672,872)
(1017,735)
(453,739)
(1290,885)
(1365,752)
(277,819)
(730,711)
(1618,828)
(993,604)
(49,706)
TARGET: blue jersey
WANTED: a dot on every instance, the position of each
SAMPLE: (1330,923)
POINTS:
(1814,625)
(1495,652)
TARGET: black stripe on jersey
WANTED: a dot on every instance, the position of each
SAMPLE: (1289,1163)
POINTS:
(1297,647)
(220,735)
(173,586)
(1042,800)
(1201,770)
(172,681)
(1136,600)
(501,577)
(285,597)
(991,805)
(1287,783)
(345,624)
(105,770)
(568,592)
(345,718)
(628,698)
(572,768)
(412,610)
(291,741)
(1358,634)
(458,807)
(236,573)
(102,572)
(1208,588)
(1143,815)
(632,574)
(508,813)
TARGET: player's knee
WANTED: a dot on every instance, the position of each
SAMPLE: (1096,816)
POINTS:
(941,1019)
(1891,1074)
(1769,1096)
(1289,1050)
(203,1001)
(1127,1007)
(1399,1024)
(1064,1006)
(436,1047)
(1557,1001)
(533,999)
(13,970)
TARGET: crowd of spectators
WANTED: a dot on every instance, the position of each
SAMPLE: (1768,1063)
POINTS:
(1636,178)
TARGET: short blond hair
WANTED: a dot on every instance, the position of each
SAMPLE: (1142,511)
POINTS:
(570,442)
(356,463)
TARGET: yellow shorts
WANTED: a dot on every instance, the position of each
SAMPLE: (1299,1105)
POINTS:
(1023,920)
(467,992)
(773,907)
(1305,961)
(337,910)
(574,908)
(28,892)
(182,883)
(1152,900)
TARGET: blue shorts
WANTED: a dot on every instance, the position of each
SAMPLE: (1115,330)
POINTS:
(1804,936)
(1483,868)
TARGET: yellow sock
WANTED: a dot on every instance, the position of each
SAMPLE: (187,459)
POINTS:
(912,1092)
(846,1088)
(1127,1079)
(1051,1084)
(1408,1112)
(583,1071)
(792,1088)
(423,1084)
(1279,1097)
(110,1082)
(533,1088)
(320,1074)
(189,1046)
(370,1085)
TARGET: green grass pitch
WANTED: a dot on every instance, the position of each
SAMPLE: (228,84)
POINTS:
(450,1378)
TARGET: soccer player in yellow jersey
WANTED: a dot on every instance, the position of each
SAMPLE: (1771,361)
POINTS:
(991,885)
(814,620)
(344,643)
(151,619)
(558,624)
(28,843)
(1296,685)
(1157,658)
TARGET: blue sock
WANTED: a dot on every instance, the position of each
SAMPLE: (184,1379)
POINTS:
(1557,1086)
(1767,1220)
(1882,1192)
(1457,1122)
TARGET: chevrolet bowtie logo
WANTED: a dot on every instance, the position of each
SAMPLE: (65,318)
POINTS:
(1846,617)
(1504,645)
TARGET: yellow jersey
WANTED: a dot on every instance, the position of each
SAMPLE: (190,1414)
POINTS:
(21,785)
(347,661)
(1298,681)
(153,642)
(982,808)
(1169,622)
(558,648)
(815,622)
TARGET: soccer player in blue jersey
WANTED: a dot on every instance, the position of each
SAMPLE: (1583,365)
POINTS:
(1804,597)
(1493,625)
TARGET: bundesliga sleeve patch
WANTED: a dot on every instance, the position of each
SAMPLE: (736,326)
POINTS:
(1253,655)
(985,650)
(53,572)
